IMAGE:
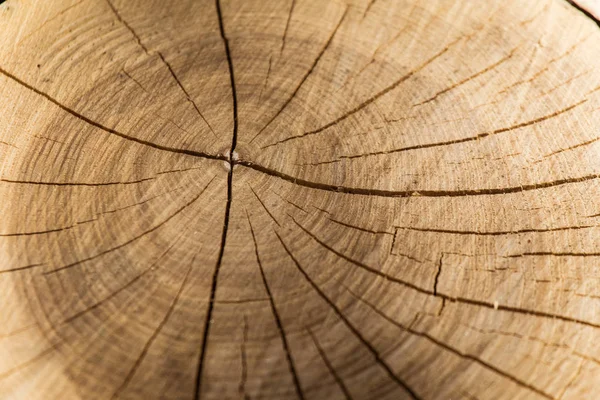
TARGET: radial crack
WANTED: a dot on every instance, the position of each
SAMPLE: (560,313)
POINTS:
(244,377)
(437,274)
(366,103)
(24,268)
(451,349)
(231,161)
(264,206)
(468,79)
(287,25)
(417,193)
(280,327)
(110,130)
(124,287)
(462,300)
(155,334)
(358,228)
(378,359)
(461,140)
(143,234)
(496,233)
(329,366)
(305,77)
(149,53)
(87,221)
(38,183)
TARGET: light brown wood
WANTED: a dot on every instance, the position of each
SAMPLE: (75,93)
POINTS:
(303,199)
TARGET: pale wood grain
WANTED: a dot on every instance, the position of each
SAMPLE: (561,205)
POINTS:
(303,199)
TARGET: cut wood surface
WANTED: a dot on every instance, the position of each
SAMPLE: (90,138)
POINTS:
(299,199)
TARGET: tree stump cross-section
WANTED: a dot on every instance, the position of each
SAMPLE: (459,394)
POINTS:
(303,199)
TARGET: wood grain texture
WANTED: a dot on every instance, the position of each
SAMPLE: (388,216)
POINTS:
(303,199)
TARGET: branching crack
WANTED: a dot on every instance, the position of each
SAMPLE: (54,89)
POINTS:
(377,356)
(165,62)
(409,329)
(305,77)
(461,300)
(367,102)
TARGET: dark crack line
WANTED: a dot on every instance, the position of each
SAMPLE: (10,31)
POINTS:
(131,282)
(449,348)
(470,78)
(242,301)
(143,234)
(329,366)
(287,25)
(280,328)
(437,275)
(185,92)
(230,159)
(358,228)
(456,141)
(368,8)
(24,268)
(264,206)
(155,334)
(442,306)
(416,193)
(111,131)
(462,300)
(368,101)
(554,254)
(92,184)
(149,53)
(27,363)
(380,361)
(244,377)
(304,78)
(136,82)
(360,264)
(38,183)
(113,294)
(585,12)
(495,233)
(582,144)
(124,23)
(79,223)
(53,18)
(289,202)
(541,71)
(264,87)
(393,242)
(8,144)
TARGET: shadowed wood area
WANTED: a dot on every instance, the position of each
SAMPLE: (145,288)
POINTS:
(299,199)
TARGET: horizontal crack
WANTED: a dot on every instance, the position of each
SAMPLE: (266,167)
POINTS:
(414,192)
